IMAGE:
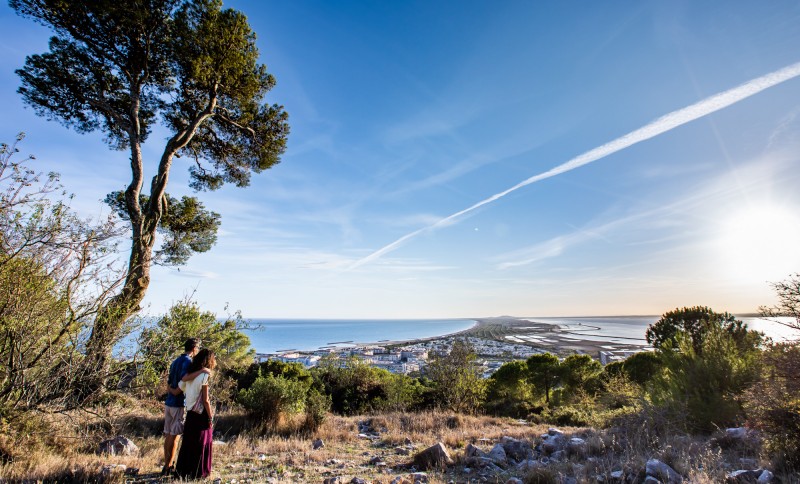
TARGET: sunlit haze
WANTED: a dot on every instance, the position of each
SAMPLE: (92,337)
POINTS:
(467,159)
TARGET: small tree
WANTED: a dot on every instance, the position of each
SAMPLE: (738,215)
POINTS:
(642,367)
(580,373)
(458,385)
(508,391)
(705,387)
(695,323)
(162,342)
(544,373)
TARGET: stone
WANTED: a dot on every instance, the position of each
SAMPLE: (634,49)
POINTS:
(219,442)
(376,460)
(108,470)
(498,455)
(736,433)
(317,444)
(743,476)
(119,445)
(651,480)
(616,475)
(357,480)
(553,432)
(576,445)
(662,471)
(514,480)
(420,478)
(558,455)
(473,451)
(332,480)
(262,457)
(433,457)
(766,476)
(568,480)
(402,451)
(529,464)
(552,443)
(516,449)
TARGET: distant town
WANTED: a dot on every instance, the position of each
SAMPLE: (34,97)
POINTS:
(412,357)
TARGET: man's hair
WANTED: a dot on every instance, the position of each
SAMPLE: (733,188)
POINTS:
(191,344)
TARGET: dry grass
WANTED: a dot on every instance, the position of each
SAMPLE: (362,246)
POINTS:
(60,448)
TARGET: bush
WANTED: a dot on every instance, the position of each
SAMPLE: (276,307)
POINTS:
(774,405)
(160,343)
(357,388)
(705,386)
(317,408)
(271,397)
(457,378)
(642,367)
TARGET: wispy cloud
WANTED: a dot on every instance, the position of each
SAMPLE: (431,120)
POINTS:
(759,176)
(659,126)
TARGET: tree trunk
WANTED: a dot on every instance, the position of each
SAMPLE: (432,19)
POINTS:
(112,316)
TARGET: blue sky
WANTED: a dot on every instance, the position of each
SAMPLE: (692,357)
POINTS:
(405,113)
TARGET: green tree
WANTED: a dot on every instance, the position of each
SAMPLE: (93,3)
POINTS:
(508,391)
(580,372)
(163,341)
(544,373)
(641,367)
(696,322)
(458,382)
(705,386)
(120,68)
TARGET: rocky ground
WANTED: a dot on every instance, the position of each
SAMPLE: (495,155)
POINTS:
(440,448)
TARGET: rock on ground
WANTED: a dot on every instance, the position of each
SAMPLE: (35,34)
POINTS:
(119,445)
(433,457)
(656,468)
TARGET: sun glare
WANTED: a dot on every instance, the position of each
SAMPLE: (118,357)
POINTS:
(761,243)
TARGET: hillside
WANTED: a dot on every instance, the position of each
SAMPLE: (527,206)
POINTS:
(381,449)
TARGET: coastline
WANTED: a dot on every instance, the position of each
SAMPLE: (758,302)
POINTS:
(546,337)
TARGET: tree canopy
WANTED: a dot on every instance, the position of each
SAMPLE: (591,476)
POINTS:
(696,322)
(121,68)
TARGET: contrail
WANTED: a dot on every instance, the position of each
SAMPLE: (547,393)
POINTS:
(661,125)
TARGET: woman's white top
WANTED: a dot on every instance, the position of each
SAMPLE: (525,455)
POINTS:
(192,389)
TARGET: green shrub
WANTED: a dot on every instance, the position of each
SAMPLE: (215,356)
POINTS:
(317,408)
(356,388)
(773,405)
(705,386)
(272,396)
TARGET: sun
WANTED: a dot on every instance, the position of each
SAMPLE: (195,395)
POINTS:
(760,243)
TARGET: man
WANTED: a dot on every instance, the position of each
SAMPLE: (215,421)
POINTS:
(174,412)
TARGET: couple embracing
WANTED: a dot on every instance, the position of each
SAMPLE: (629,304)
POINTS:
(188,412)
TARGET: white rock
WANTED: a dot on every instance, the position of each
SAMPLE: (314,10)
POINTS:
(498,455)
(662,471)
(766,476)
(552,431)
(736,432)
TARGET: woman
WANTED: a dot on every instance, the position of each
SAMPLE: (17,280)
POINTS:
(194,458)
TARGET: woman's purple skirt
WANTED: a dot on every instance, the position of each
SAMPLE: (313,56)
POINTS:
(194,458)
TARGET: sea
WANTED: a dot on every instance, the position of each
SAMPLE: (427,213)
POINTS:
(279,335)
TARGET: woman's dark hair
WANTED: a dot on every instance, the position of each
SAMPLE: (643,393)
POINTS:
(204,358)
